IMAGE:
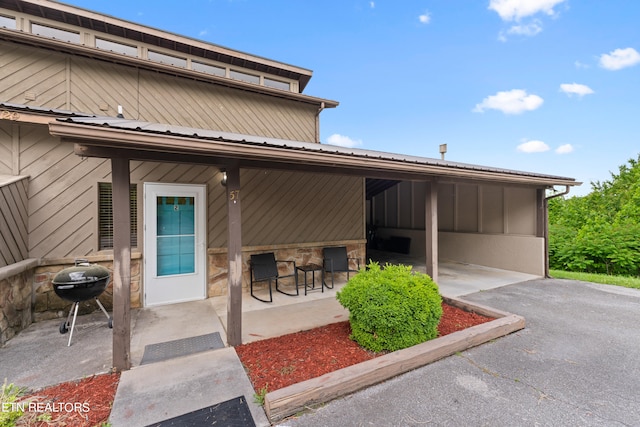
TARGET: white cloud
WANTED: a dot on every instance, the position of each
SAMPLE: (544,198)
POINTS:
(203,33)
(579,65)
(564,149)
(425,18)
(343,141)
(533,146)
(576,88)
(530,30)
(514,10)
(620,58)
(372,5)
(515,101)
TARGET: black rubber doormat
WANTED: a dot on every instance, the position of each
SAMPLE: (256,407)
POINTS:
(182,347)
(232,413)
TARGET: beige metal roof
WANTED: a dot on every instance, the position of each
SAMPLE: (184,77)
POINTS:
(112,137)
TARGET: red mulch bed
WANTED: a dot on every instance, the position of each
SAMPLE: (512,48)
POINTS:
(271,364)
(86,402)
(282,361)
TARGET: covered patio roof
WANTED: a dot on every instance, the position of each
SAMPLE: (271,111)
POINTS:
(109,137)
(122,140)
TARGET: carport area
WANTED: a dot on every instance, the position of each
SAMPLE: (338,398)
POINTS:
(495,224)
(456,278)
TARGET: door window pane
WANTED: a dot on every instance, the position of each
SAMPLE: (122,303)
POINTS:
(175,235)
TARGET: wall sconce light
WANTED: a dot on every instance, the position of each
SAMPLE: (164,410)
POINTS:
(223,181)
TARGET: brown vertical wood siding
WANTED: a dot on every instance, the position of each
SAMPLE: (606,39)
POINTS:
(297,207)
(6,148)
(279,207)
(84,85)
(464,208)
(13,222)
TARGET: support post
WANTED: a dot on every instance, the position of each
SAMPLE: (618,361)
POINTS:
(541,211)
(121,264)
(234,256)
(542,220)
(431,229)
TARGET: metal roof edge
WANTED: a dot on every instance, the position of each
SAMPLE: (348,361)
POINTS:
(43,110)
(208,134)
(90,14)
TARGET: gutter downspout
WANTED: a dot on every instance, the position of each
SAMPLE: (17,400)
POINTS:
(546,228)
(318,122)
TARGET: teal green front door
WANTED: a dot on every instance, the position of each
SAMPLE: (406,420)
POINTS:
(175,243)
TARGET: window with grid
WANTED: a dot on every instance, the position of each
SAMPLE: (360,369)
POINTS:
(105,215)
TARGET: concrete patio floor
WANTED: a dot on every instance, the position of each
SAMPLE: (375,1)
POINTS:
(39,356)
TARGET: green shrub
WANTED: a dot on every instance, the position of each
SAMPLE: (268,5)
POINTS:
(9,413)
(391,308)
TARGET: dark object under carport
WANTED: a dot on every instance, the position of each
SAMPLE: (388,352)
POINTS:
(81,283)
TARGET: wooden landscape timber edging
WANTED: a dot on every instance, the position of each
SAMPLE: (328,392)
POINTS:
(289,400)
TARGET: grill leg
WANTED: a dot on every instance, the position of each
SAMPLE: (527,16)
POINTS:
(73,324)
(69,315)
(103,310)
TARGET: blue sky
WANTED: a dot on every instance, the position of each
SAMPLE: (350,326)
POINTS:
(548,86)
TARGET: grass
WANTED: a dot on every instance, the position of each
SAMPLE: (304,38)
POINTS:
(259,397)
(627,282)
(9,396)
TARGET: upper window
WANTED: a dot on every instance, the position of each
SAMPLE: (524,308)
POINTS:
(167,59)
(209,69)
(116,47)
(105,215)
(239,75)
(55,33)
(7,22)
(277,84)
(139,49)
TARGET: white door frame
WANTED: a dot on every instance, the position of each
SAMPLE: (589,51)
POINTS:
(160,289)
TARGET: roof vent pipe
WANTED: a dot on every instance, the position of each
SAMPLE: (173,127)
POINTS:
(443,150)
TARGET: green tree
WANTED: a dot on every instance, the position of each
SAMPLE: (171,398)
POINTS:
(599,232)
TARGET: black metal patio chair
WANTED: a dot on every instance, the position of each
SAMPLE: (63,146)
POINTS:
(264,267)
(336,260)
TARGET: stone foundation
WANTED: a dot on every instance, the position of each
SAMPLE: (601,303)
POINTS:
(27,294)
(15,304)
(306,253)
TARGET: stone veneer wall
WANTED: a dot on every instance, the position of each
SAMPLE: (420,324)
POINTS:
(15,304)
(47,305)
(27,295)
(305,253)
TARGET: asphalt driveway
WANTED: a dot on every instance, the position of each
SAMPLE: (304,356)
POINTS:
(577,363)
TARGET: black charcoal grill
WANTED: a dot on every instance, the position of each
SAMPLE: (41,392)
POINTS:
(80,283)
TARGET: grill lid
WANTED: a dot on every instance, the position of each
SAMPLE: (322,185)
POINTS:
(81,274)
